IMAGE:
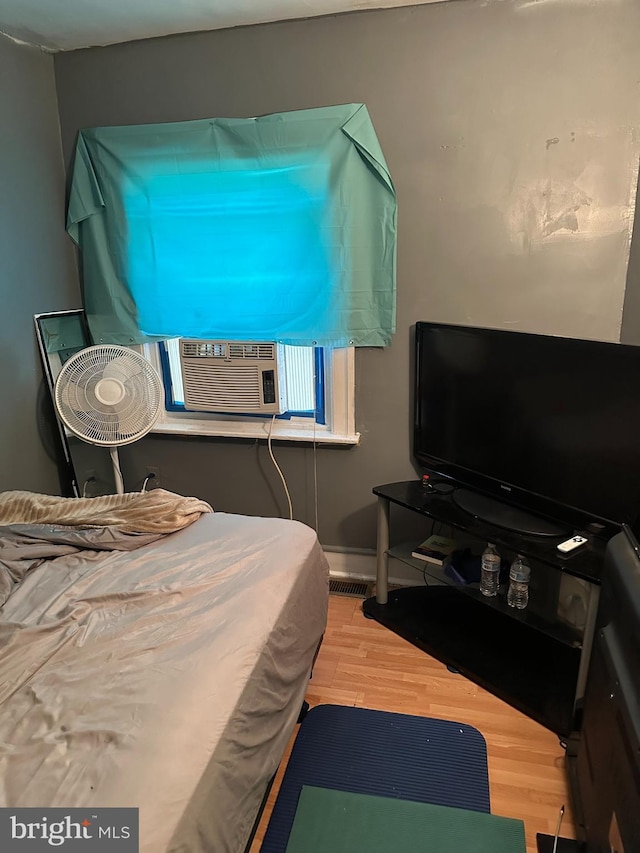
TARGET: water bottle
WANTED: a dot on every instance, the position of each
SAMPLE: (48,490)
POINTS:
(519,574)
(490,577)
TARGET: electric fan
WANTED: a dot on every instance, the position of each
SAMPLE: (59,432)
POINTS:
(109,396)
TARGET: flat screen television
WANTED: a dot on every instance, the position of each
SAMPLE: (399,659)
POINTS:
(537,433)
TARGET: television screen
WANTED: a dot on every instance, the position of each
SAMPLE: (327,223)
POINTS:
(547,423)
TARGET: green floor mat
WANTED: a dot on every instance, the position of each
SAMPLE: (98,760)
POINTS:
(330,821)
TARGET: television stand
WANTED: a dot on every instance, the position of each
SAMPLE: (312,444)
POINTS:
(533,659)
(502,515)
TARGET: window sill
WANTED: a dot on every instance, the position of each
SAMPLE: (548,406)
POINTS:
(253,429)
(339,431)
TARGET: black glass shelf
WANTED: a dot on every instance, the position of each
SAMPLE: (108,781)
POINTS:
(586,563)
(544,620)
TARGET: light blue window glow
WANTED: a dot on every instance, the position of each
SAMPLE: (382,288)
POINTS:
(216,250)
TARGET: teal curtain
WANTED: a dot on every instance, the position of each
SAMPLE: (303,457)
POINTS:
(281,227)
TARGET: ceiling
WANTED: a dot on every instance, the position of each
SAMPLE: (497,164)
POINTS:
(70,24)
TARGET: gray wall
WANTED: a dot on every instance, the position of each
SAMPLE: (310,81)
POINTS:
(37,270)
(511,133)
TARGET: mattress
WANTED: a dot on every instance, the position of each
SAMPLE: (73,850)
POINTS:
(167,678)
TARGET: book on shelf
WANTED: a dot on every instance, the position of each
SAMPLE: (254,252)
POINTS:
(436,549)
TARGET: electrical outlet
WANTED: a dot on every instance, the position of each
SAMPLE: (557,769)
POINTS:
(88,485)
(153,473)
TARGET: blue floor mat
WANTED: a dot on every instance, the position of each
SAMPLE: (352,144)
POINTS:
(389,755)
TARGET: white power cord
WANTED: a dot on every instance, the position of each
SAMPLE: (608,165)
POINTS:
(146,480)
(315,464)
(277,467)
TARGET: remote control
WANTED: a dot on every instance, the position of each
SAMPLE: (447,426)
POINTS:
(571,544)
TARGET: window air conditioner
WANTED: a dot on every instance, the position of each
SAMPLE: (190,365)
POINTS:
(232,376)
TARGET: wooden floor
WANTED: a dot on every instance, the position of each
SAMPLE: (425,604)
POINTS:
(364,664)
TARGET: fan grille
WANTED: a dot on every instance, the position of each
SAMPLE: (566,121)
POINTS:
(108,395)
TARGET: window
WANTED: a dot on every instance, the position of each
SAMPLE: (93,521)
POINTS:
(243,377)
(332,423)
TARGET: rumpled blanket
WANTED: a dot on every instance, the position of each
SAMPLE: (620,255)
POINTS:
(35,528)
(156,511)
(26,546)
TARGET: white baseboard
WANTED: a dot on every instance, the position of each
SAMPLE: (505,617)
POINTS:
(361,566)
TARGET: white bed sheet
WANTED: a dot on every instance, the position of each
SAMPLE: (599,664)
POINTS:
(168,679)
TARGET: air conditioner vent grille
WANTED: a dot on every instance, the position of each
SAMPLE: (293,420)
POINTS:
(203,349)
(228,349)
(261,351)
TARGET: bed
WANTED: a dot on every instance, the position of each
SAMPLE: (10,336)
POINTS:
(160,670)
